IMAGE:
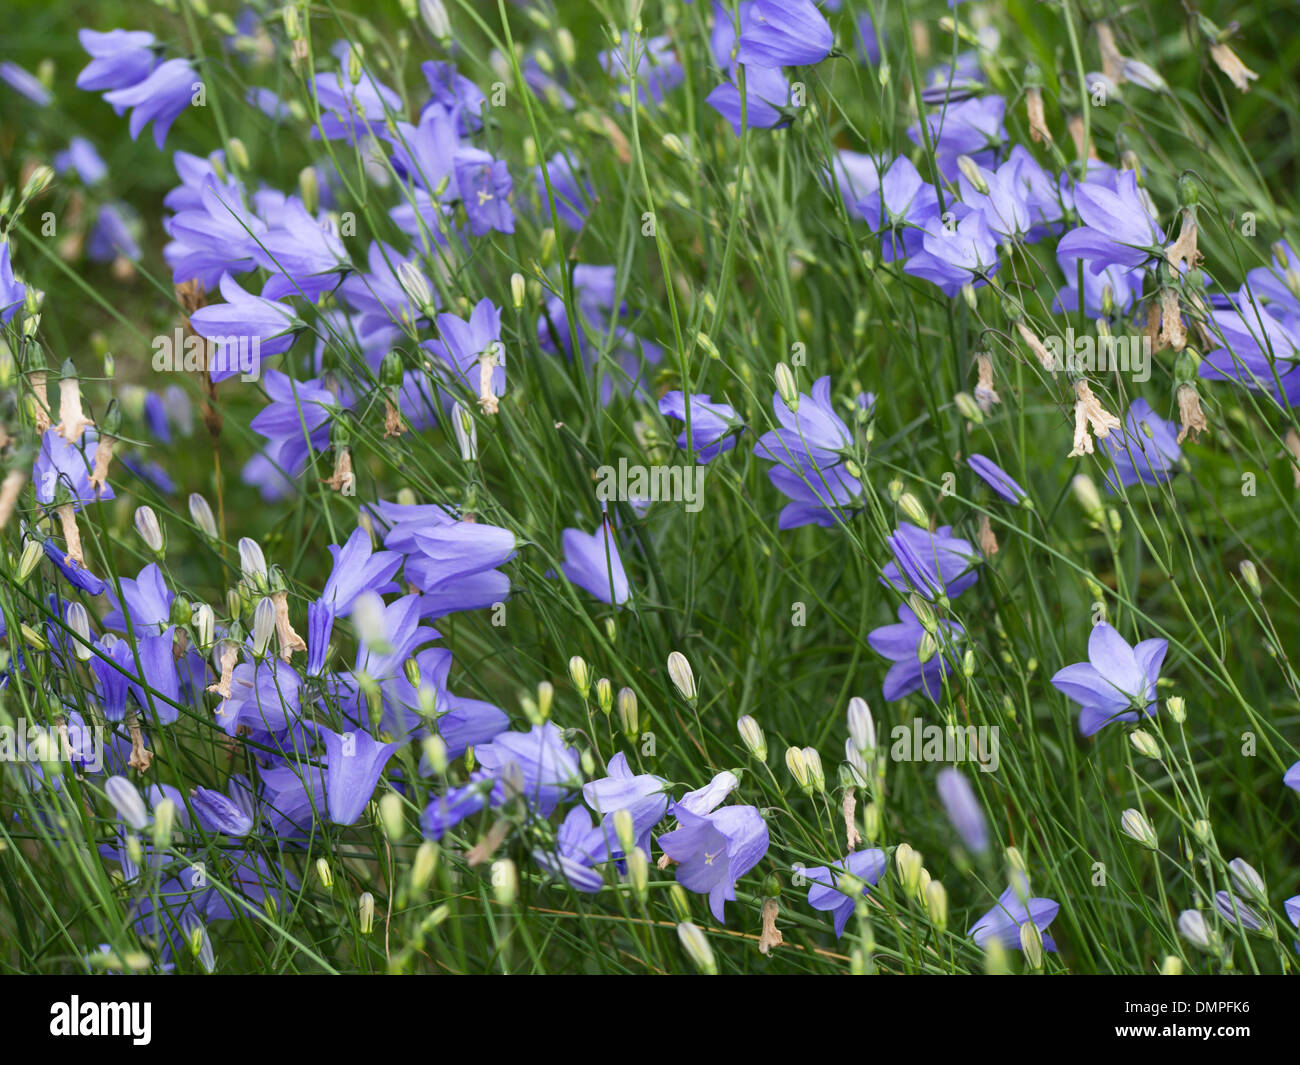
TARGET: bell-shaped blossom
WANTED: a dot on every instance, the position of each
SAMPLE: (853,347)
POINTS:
(715,849)
(784,33)
(119,59)
(1117,683)
(901,644)
(1118,228)
(963,809)
(1145,451)
(579,846)
(592,562)
(159,98)
(536,764)
(353,763)
(998,479)
(643,795)
(713,425)
(933,564)
(826,894)
(1004,920)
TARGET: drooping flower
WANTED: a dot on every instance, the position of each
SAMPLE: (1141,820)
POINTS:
(1004,920)
(119,59)
(713,425)
(579,846)
(1117,683)
(159,98)
(998,479)
(825,893)
(963,809)
(810,435)
(304,256)
(1146,450)
(537,764)
(643,795)
(934,564)
(485,187)
(902,645)
(592,562)
(951,258)
(1117,229)
(466,347)
(784,33)
(353,763)
(899,209)
(243,325)
(12,292)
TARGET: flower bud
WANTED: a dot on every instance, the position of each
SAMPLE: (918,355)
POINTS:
(785,386)
(751,735)
(797,762)
(1031,944)
(201,515)
(434,13)
(505,881)
(1192,926)
(204,622)
(164,821)
(30,558)
(697,948)
(252,563)
(862,727)
(325,873)
(816,775)
(625,830)
(580,674)
(263,625)
(79,623)
(936,903)
(424,865)
(146,524)
(1139,829)
(366,913)
(909,865)
(463,425)
(629,715)
(1250,576)
(392,817)
(1171,966)
(1177,708)
(1248,881)
(683,677)
(127,801)
(1085,491)
(1144,743)
(605,695)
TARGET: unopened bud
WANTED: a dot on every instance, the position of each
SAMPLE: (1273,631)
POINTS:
(683,677)
(696,945)
(751,735)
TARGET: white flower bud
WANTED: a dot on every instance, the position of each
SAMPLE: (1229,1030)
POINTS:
(146,524)
(683,677)
(127,801)
(263,625)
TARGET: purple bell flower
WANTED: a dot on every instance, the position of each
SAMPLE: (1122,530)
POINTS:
(1116,682)
(1003,921)
(824,893)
